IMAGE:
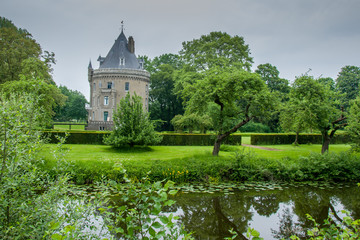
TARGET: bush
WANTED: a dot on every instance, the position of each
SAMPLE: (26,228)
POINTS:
(242,166)
(73,137)
(87,137)
(255,127)
(275,139)
(196,140)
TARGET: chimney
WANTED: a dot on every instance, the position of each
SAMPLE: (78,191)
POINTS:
(131,44)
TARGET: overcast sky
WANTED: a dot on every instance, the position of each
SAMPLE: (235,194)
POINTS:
(293,35)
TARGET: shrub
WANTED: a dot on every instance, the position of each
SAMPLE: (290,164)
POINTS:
(255,127)
(274,139)
(87,137)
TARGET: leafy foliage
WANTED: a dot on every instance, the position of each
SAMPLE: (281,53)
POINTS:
(216,49)
(140,214)
(16,45)
(347,82)
(28,198)
(353,127)
(49,96)
(270,75)
(192,122)
(132,125)
(238,97)
(74,107)
(312,105)
(164,104)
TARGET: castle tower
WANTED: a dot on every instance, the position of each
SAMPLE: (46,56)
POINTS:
(119,73)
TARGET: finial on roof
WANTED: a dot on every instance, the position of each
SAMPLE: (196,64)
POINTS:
(122,25)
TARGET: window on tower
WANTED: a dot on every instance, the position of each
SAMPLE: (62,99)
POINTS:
(106,100)
(106,115)
(122,62)
(127,86)
(109,84)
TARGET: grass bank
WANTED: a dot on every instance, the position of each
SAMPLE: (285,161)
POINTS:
(90,163)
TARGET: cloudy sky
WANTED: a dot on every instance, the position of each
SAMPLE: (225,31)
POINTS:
(293,35)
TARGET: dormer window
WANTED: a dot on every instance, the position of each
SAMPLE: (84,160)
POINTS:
(122,62)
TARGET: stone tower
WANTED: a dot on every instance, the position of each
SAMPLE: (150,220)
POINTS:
(119,73)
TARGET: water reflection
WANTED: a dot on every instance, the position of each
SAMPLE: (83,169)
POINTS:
(275,213)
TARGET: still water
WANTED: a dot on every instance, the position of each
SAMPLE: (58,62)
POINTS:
(276,212)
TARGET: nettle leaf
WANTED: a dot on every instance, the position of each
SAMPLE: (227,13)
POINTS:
(164,219)
(57,236)
(173,192)
(156,225)
(54,225)
(152,232)
(169,202)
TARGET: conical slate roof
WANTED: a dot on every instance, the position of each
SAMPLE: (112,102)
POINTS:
(120,56)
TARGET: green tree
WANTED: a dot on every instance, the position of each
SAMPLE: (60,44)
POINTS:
(164,104)
(192,122)
(347,82)
(216,49)
(239,97)
(29,199)
(327,81)
(353,127)
(132,125)
(49,95)
(313,105)
(270,74)
(278,86)
(16,45)
(74,107)
(152,66)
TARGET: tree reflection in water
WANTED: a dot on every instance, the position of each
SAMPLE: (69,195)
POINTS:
(210,216)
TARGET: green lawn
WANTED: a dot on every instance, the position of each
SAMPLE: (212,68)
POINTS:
(79,152)
(195,163)
(66,127)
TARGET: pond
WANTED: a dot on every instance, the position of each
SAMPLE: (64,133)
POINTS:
(275,210)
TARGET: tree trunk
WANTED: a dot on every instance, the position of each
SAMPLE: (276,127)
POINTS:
(216,148)
(296,142)
(221,137)
(325,142)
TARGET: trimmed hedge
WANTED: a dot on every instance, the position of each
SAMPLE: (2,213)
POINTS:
(86,137)
(276,139)
(83,137)
(196,140)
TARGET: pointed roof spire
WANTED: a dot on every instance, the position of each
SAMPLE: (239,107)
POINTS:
(90,65)
(120,54)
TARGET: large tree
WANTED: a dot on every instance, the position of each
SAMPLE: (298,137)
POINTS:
(314,105)
(164,104)
(277,85)
(239,97)
(347,82)
(153,66)
(132,125)
(216,49)
(74,107)
(270,74)
(25,69)
(354,123)
(16,45)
